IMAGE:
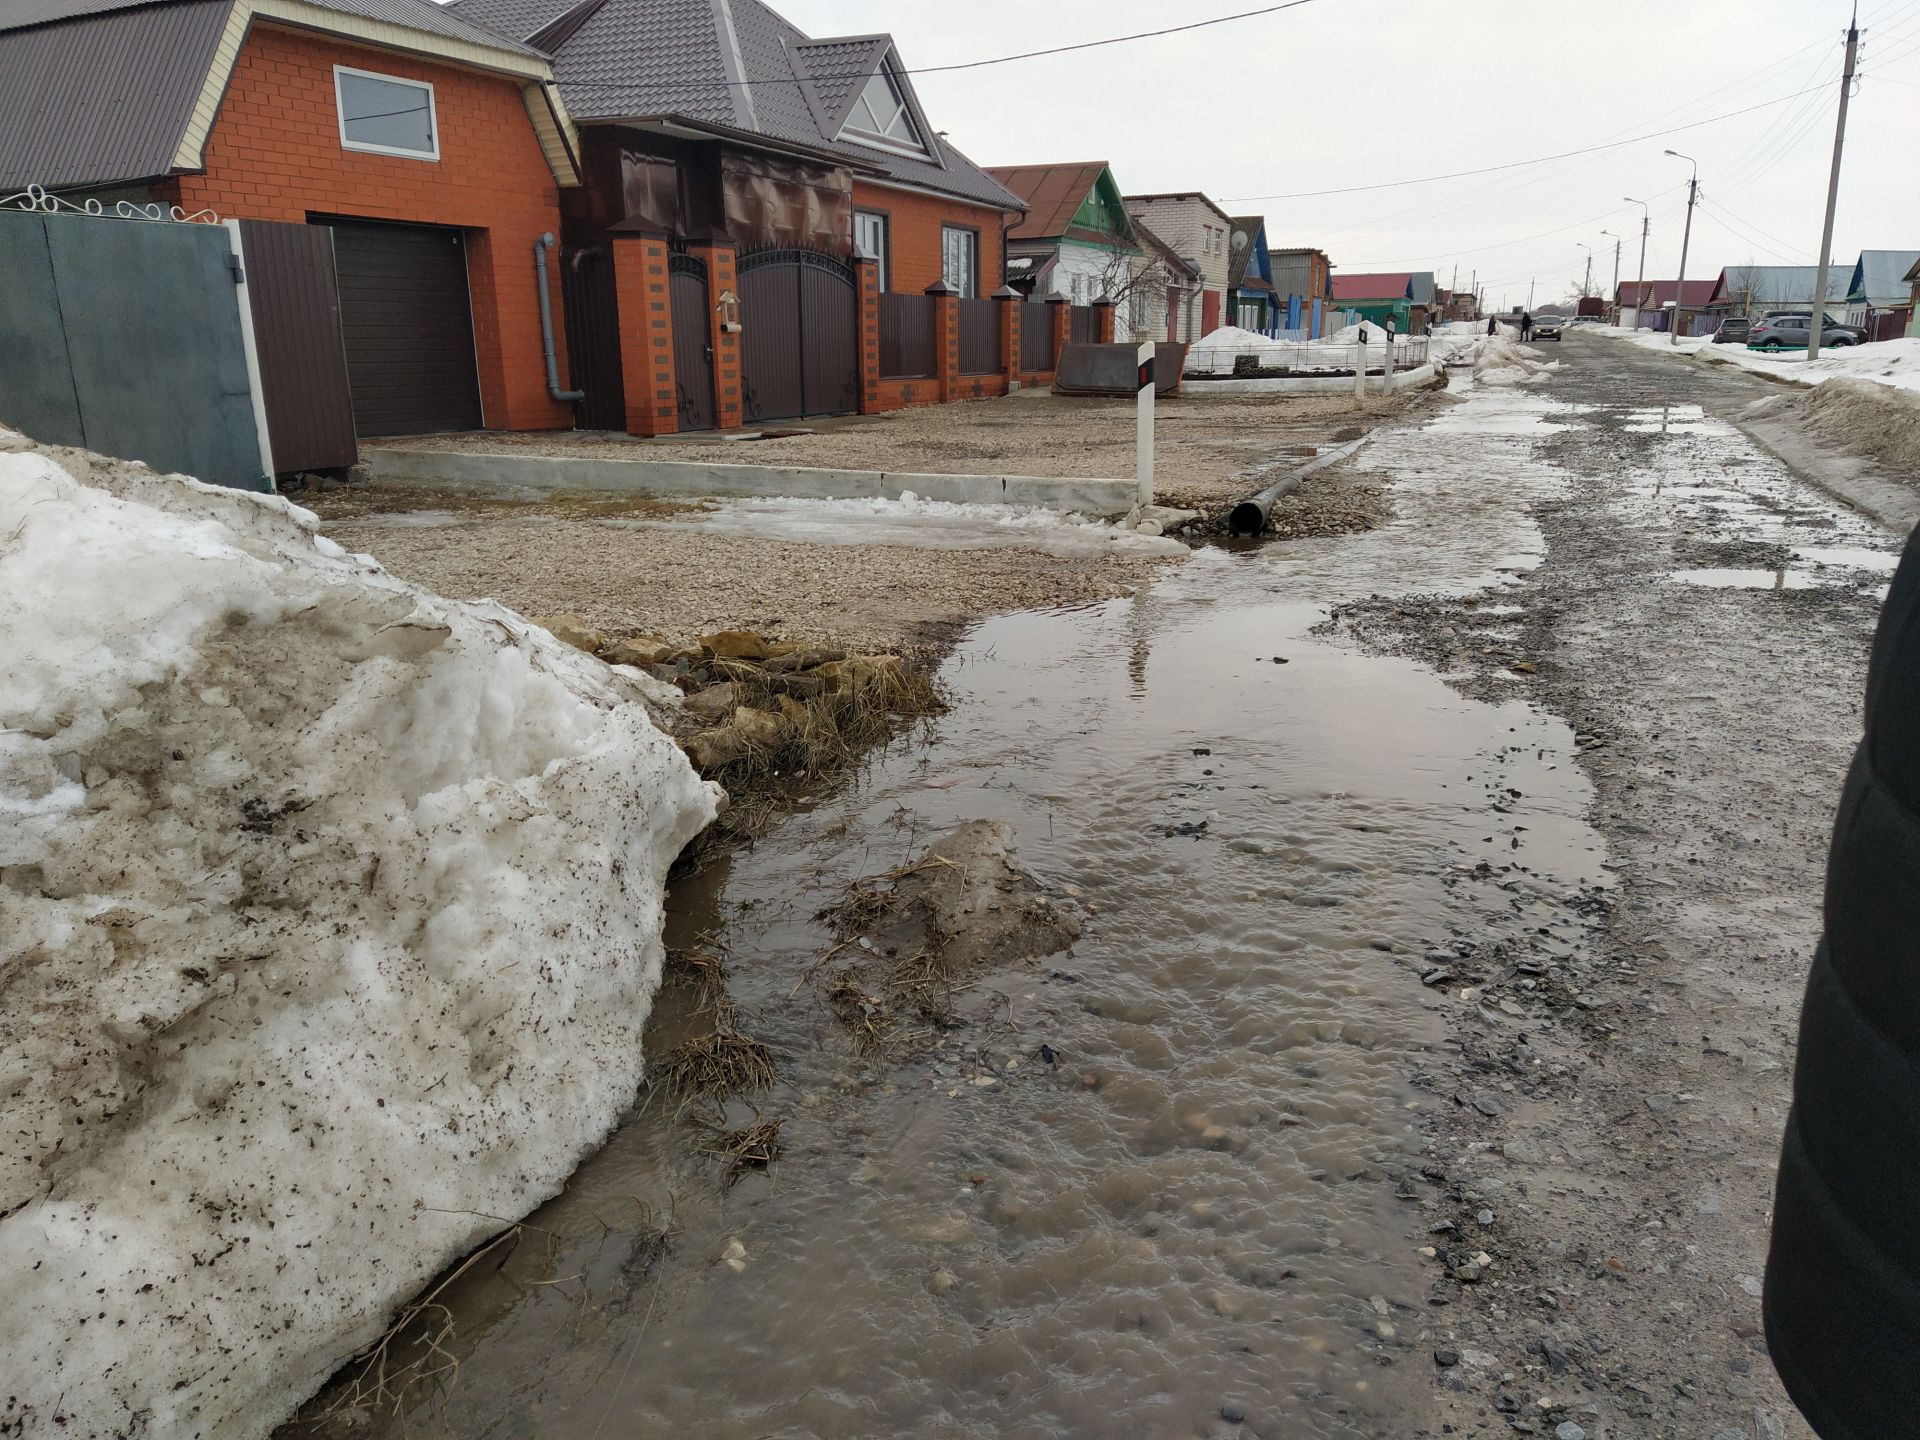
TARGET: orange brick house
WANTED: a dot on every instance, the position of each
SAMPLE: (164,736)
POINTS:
(760,219)
(435,152)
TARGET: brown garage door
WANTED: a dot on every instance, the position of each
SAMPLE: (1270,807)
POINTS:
(407,327)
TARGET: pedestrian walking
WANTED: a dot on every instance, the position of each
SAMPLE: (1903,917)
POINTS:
(1493,326)
(1526,326)
(1842,1292)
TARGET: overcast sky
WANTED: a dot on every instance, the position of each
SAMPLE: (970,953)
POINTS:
(1340,93)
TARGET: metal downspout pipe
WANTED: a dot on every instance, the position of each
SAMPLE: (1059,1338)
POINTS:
(540,248)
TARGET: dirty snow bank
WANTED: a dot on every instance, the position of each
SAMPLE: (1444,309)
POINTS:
(1880,421)
(1215,352)
(333,917)
(1502,360)
(911,521)
(1892,363)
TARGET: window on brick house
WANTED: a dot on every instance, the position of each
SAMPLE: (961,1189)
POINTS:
(870,238)
(960,260)
(385,114)
(881,117)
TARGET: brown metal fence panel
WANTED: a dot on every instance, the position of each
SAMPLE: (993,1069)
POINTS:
(1888,324)
(906,337)
(1036,335)
(296,326)
(830,336)
(592,305)
(979,337)
(692,341)
(1083,326)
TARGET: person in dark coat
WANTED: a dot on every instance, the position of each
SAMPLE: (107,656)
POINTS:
(1493,326)
(1842,1298)
(1526,325)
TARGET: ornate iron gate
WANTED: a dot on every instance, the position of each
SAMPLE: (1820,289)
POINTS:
(692,342)
(799,343)
(593,338)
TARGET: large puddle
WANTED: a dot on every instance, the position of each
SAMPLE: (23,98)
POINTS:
(1148,1186)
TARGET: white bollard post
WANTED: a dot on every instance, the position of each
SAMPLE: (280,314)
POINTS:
(1360,375)
(1386,374)
(1143,422)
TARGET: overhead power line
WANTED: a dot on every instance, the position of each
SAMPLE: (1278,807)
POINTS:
(679,87)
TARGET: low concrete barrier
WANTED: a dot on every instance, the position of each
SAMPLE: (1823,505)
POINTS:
(493,472)
(1303,384)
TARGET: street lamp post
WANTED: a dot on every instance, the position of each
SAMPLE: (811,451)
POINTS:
(1615,292)
(1586,285)
(1640,281)
(1680,285)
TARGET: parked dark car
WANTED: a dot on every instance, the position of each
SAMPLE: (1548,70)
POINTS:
(1548,327)
(1789,331)
(1733,330)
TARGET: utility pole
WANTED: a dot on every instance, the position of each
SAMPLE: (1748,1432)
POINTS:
(1530,284)
(1833,192)
(1615,292)
(1686,238)
(1640,281)
(1586,285)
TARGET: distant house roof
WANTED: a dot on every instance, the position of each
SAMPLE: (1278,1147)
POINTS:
(1247,251)
(1880,277)
(734,69)
(1054,195)
(1180,195)
(1385,286)
(1776,284)
(106,92)
(1660,292)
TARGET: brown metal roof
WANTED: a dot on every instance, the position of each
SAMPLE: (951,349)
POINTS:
(1054,194)
(103,98)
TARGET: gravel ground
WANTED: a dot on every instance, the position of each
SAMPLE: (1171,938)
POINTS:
(1203,443)
(656,581)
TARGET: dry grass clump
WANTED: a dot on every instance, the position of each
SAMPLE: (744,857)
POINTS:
(754,1147)
(716,1066)
(827,731)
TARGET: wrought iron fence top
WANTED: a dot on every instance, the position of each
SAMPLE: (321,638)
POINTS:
(39,199)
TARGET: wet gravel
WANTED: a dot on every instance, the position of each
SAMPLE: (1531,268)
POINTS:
(1638,1045)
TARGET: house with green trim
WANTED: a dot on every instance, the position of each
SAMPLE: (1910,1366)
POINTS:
(1077,240)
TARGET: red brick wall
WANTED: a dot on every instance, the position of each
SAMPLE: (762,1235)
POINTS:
(275,154)
(914,223)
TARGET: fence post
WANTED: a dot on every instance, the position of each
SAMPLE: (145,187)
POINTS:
(646,334)
(1103,317)
(722,279)
(1060,311)
(1009,300)
(946,339)
(1360,374)
(866,277)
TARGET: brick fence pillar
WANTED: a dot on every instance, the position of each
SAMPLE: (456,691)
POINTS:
(1009,300)
(1103,317)
(866,276)
(1060,309)
(946,338)
(722,281)
(646,333)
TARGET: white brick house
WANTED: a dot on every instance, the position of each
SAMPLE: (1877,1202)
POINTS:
(1201,232)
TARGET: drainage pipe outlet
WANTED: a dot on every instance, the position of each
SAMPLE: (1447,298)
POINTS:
(540,248)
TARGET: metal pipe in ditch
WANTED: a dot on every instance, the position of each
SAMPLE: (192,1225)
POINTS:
(1250,516)
(540,248)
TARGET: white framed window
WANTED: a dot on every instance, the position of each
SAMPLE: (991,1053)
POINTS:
(870,238)
(1142,311)
(880,116)
(386,115)
(960,260)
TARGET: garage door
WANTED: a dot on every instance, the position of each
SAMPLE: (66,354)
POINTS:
(407,327)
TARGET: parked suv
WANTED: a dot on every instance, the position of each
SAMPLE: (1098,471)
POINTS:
(1789,330)
(1733,330)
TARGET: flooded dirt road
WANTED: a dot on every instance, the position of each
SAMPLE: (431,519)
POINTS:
(1419,1061)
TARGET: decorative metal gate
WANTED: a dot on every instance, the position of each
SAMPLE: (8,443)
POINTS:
(799,342)
(692,341)
(592,303)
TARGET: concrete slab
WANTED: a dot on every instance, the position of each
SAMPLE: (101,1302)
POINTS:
(1304,384)
(500,474)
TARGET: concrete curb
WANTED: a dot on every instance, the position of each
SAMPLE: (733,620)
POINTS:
(497,473)
(1302,384)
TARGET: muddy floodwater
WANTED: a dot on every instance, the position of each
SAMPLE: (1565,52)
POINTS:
(1147,1186)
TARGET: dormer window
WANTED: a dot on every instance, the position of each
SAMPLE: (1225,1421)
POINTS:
(880,116)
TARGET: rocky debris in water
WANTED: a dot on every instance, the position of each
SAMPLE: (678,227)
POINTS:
(735,1255)
(1488,1106)
(1567,1430)
(1438,975)
(1233,1414)
(941,1281)
(1186,827)
(1485,1217)
(572,630)
(1446,1359)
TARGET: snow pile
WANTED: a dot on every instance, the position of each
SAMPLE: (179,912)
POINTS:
(333,915)
(1502,360)
(911,521)
(1882,421)
(1215,352)
(1894,363)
